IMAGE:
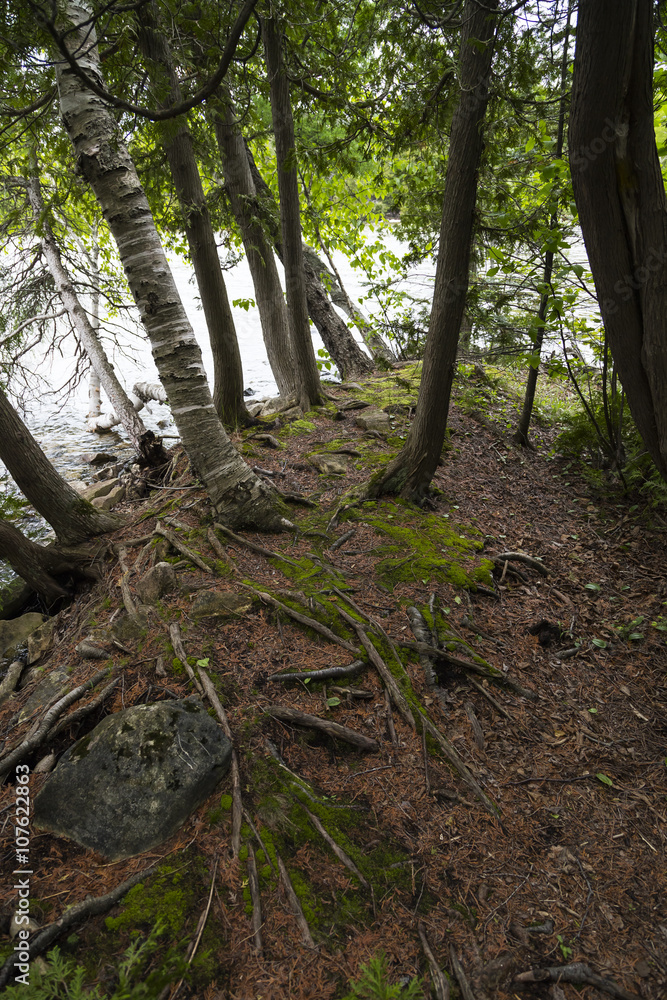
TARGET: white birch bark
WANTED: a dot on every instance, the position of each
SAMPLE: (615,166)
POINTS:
(240,497)
(126,413)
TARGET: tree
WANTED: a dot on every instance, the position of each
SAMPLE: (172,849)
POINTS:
(410,473)
(239,495)
(620,198)
(147,446)
(309,389)
(72,518)
(228,372)
(261,262)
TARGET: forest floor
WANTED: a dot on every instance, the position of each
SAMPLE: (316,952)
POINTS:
(546,849)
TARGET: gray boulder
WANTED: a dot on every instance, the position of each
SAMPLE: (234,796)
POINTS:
(161,579)
(135,779)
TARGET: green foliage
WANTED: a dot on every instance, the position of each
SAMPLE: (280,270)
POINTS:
(138,977)
(374,983)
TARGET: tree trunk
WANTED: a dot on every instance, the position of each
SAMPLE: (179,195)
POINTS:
(521,434)
(240,496)
(148,447)
(349,358)
(38,565)
(620,198)
(309,389)
(335,290)
(227,369)
(410,473)
(268,291)
(72,518)
(336,336)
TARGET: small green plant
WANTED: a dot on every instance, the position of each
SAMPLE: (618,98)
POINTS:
(565,949)
(63,979)
(373,983)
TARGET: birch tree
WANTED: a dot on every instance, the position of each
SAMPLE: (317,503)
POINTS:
(239,496)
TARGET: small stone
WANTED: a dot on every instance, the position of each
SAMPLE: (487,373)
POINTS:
(90,651)
(99,489)
(41,640)
(111,499)
(97,457)
(214,604)
(14,633)
(328,466)
(157,582)
(642,968)
(373,419)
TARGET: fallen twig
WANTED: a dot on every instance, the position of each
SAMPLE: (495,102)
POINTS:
(422,634)
(237,802)
(305,620)
(336,848)
(390,720)
(323,725)
(179,649)
(256,898)
(84,710)
(578,974)
(192,947)
(124,583)
(91,907)
(521,557)
(296,906)
(182,548)
(322,675)
(343,538)
(461,978)
(489,697)
(396,695)
(452,756)
(497,676)
(438,979)
(259,549)
(36,738)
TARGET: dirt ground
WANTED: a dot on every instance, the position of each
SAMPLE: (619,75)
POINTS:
(559,862)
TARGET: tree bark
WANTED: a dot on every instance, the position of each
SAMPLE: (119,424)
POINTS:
(240,496)
(411,472)
(72,518)
(336,336)
(268,290)
(227,368)
(148,447)
(38,565)
(620,198)
(309,389)
(521,434)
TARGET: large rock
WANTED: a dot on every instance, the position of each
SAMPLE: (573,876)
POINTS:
(161,579)
(213,604)
(135,779)
(111,499)
(373,419)
(15,631)
(41,640)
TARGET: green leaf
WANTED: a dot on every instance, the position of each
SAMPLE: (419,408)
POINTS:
(332,702)
(530,144)
(593,711)
(592,586)
(203,663)
(604,779)
(600,643)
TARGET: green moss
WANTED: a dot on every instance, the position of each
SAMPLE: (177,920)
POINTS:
(226,802)
(302,426)
(424,547)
